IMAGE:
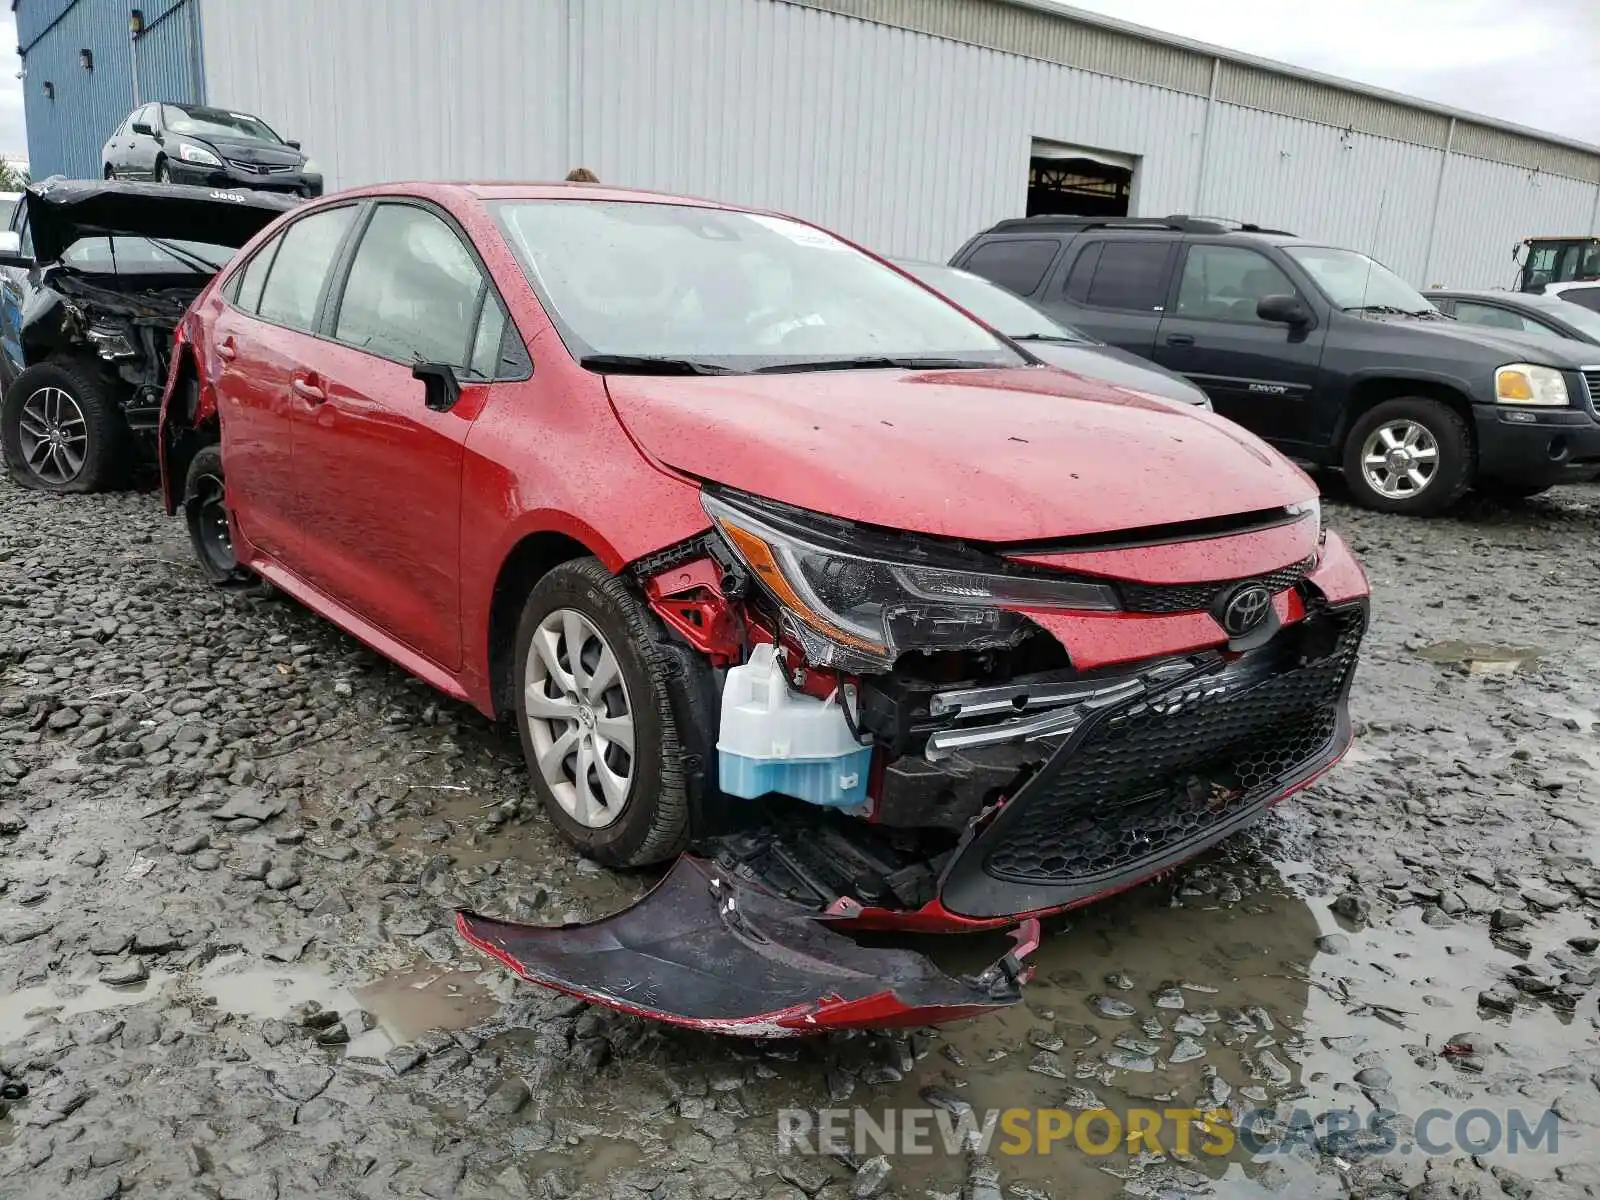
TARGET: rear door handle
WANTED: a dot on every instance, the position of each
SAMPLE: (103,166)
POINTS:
(1180,339)
(307,390)
(226,350)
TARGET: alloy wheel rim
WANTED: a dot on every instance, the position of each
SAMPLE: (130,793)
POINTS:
(54,436)
(1400,459)
(211,523)
(580,718)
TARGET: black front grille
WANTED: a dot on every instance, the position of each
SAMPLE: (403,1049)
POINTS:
(1591,380)
(1199,597)
(1140,787)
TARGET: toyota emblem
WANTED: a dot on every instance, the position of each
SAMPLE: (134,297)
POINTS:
(1245,609)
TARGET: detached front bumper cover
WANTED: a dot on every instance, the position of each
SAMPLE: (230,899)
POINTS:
(706,951)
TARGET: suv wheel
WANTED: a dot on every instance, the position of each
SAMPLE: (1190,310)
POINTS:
(595,719)
(62,430)
(1410,455)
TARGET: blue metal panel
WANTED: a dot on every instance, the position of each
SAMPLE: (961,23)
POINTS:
(65,134)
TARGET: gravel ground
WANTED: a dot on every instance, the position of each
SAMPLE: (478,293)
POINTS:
(231,838)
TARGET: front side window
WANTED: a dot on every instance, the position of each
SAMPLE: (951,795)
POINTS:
(1492,316)
(730,291)
(413,291)
(485,362)
(1016,264)
(1225,283)
(1130,275)
(1351,280)
(294,282)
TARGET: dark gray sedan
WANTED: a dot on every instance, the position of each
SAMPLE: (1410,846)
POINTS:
(1045,337)
(1521,312)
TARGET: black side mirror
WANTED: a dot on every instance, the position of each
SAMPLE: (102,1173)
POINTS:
(144,128)
(441,388)
(291,143)
(1283,310)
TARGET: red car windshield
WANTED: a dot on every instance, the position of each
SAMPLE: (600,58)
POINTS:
(737,290)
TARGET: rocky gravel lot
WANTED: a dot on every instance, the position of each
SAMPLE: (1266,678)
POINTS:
(231,840)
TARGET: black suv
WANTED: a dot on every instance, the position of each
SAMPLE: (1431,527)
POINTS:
(1323,352)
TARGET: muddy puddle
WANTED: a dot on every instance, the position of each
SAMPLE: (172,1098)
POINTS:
(22,1010)
(1482,658)
(401,1005)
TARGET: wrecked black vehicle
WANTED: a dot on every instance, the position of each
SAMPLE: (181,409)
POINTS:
(96,276)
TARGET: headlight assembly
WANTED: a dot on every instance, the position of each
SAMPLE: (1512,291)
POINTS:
(872,602)
(1524,383)
(198,155)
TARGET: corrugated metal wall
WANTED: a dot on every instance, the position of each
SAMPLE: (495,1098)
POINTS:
(1489,207)
(400,89)
(65,134)
(1349,189)
(908,139)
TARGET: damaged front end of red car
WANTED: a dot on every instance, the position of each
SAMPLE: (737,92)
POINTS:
(899,732)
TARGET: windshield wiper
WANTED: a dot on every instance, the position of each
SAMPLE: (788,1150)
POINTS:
(876,362)
(187,257)
(647,364)
(1381,308)
(1055,339)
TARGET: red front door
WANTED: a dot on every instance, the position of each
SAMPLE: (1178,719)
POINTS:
(378,494)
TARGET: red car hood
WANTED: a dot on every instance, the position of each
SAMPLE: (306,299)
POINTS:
(996,456)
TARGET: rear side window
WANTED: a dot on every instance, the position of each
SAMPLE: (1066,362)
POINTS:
(300,268)
(1588,297)
(1130,275)
(247,283)
(413,291)
(1016,264)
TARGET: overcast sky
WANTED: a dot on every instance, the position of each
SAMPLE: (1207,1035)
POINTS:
(1534,62)
(13,129)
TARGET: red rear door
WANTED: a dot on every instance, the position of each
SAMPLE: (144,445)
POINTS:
(378,473)
(260,337)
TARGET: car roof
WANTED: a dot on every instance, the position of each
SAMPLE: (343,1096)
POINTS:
(531,190)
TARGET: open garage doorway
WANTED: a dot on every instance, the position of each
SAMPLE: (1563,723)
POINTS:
(1077,181)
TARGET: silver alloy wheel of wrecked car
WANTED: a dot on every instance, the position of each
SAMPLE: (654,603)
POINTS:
(580,718)
(1400,458)
(54,435)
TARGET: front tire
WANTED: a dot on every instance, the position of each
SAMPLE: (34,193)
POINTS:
(1410,455)
(163,175)
(595,718)
(62,429)
(205,510)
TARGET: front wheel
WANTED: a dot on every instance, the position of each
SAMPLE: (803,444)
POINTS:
(205,509)
(62,429)
(595,719)
(163,175)
(1409,455)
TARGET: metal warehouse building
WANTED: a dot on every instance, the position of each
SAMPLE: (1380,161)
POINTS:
(906,124)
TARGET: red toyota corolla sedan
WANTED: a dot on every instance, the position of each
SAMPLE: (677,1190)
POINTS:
(782,565)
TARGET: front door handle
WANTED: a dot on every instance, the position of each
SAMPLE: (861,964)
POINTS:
(1180,339)
(307,390)
(226,350)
